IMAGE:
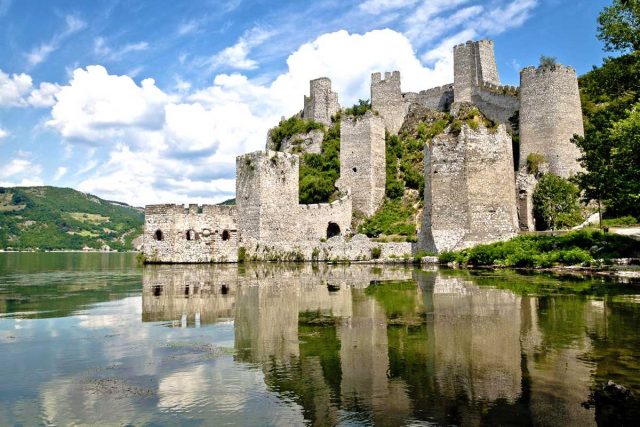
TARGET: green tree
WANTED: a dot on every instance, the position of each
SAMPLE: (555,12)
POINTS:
(619,26)
(555,203)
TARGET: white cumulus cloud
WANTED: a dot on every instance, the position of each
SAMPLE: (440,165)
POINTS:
(3,133)
(13,88)
(236,56)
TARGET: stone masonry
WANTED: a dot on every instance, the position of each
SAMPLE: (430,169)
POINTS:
(322,103)
(550,114)
(471,192)
(362,161)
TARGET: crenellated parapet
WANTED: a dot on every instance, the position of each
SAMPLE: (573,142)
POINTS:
(387,100)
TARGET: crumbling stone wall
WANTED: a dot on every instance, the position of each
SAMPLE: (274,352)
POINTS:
(321,103)
(469,191)
(386,99)
(362,161)
(173,233)
(550,114)
(498,103)
(310,142)
(525,186)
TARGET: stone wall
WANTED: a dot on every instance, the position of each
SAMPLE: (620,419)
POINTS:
(525,186)
(386,99)
(550,114)
(267,196)
(310,142)
(173,233)
(362,161)
(498,103)
(438,98)
(469,191)
(338,248)
(474,63)
(321,103)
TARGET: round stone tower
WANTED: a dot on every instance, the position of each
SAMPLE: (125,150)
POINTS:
(550,114)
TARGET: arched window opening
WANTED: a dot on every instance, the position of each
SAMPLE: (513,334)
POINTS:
(192,235)
(333,229)
(354,170)
(226,235)
(224,289)
(158,235)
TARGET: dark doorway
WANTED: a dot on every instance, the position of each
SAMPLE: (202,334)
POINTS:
(191,235)
(333,229)
(158,235)
(226,235)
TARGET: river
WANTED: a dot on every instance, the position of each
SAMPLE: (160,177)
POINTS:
(97,339)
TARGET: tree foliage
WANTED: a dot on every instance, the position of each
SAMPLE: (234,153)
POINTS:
(555,203)
(289,127)
(319,172)
(359,109)
(619,26)
(610,102)
(548,61)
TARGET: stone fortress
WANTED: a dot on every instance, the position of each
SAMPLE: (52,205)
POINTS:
(477,189)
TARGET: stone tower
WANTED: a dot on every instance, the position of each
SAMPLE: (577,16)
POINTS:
(321,103)
(386,99)
(362,161)
(550,114)
(267,196)
(474,63)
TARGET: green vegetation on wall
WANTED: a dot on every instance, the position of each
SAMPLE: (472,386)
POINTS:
(359,109)
(51,218)
(289,127)
(319,172)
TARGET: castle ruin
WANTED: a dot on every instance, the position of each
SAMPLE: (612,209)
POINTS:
(477,189)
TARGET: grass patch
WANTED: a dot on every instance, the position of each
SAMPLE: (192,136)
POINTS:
(87,217)
(576,248)
(394,217)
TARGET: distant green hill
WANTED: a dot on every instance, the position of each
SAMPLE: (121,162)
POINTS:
(50,218)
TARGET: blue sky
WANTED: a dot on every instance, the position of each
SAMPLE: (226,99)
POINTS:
(149,101)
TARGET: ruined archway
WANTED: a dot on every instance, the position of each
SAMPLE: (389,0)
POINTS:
(333,229)
(158,235)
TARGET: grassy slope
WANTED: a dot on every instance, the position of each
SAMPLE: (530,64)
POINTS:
(61,218)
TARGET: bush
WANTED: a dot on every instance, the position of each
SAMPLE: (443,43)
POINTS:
(319,172)
(289,127)
(534,161)
(376,252)
(242,254)
(359,109)
(393,217)
(555,203)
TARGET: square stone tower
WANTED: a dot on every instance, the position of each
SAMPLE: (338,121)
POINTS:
(362,161)
(267,196)
(386,99)
(474,63)
(321,103)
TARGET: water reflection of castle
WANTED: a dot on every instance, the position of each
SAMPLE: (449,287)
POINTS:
(445,350)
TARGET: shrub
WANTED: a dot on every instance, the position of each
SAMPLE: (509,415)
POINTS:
(555,203)
(534,161)
(289,127)
(242,254)
(376,252)
(359,109)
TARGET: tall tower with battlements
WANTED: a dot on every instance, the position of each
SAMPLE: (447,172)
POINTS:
(386,99)
(321,103)
(474,63)
(550,114)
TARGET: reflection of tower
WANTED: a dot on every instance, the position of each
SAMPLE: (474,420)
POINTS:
(266,324)
(477,336)
(365,363)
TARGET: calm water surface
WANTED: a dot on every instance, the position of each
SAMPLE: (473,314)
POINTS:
(95,339)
